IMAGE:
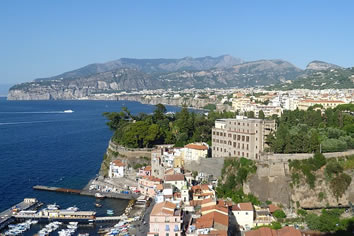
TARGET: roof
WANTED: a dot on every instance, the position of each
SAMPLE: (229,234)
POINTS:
(243,206)
(152,178)
(208,200)
(215,208)
(216,217)
(265,231)
(118,163)
(147,168)
(196,146)
(163,208)
(203,187)
(175,177)
(216,233)
(273,208)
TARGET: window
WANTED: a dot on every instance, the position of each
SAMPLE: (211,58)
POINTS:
(243,138)
(167,228)
(247,138)
(234,144)
(246,213)
(234,136)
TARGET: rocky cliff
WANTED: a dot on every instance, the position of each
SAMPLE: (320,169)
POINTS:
(273,181)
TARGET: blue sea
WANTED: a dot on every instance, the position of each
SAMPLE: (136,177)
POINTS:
(42,145)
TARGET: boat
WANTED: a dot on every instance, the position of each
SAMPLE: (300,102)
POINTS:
(99,195)
(68,111)
(74,208)
(53,207)
(110,212)
(98,205)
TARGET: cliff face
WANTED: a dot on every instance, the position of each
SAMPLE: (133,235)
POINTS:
(273,182)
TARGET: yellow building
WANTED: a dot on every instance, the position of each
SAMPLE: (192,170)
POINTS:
(305,104)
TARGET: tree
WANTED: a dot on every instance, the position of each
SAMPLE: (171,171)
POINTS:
(279,214)
(261,115)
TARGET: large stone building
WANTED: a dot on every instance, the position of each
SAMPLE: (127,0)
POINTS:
(240,137)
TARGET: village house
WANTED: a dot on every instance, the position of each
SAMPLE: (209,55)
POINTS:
(202,191)
(144,171)
(165,219)
(147,185)
(244,214)
(176,180)
(265,231)
(116,169)
(195,151)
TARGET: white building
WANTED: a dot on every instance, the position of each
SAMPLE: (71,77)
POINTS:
(195,151)
(116,169)
(244,214)
(176,180)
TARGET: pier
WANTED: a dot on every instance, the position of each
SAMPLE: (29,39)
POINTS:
(6,217)
(91,193)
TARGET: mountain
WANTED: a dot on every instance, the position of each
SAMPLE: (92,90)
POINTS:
(321,65)
(137,74)
(150,66)
(330,78)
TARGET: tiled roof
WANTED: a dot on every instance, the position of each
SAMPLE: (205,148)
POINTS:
(273,208)
(118,163)
(152,178)
(265,231)
(215,208)
(163,208)
(196,146)
(243,206)
(147,168)
(175,177)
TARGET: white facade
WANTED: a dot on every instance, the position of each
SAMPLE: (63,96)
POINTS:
(244,218)
(116,170)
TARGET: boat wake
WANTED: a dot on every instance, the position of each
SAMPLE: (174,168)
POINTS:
(32,112)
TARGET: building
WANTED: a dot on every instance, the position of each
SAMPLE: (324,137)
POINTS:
(116,169)
(305,104)
(265,231)
(195,151)
(202,191)
(145,171)
(165,219)
(147,185)
(241,137)
(244,214)
(176,180)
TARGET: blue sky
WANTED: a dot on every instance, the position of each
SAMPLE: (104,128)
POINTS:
(45,38)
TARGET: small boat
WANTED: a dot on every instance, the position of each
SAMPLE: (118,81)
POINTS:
(53,207)
(74,208)
(99,195)
(110,212)
(68,111)
(98,205)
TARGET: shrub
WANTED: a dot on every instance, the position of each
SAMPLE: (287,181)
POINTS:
(279,214)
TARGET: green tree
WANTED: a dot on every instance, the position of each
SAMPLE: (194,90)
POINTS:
(279,214)
(261,115)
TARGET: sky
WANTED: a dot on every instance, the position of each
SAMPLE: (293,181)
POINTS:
(42,38)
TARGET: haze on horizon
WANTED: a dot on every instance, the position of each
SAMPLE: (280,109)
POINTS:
(45,38)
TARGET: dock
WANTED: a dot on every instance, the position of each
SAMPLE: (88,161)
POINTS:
(87,192)
(6,217)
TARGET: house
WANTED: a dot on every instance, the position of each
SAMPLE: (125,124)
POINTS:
(213,221)
(116,169)
(165,219)
(145,171)
(265,231)
(147,185)
(176,180)
(195,151)
(244,214)
(202,191)
(263,216)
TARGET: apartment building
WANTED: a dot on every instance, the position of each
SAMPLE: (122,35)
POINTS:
(240,137)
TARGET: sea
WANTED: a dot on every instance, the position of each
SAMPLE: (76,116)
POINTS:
(40,144)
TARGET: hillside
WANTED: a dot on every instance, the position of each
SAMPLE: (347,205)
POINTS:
(336,78)
(138,74)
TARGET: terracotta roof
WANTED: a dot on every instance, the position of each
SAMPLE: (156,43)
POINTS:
(118,163)
(216,233)
(175,177)
(265,231)
(196,146)
(169,172)
(147,168)
(273,208)
(208,200)
(218,217)
(152,178)
(163,208)
(195,202)
(159,187)
(203,187)
(243,206)
(215,208)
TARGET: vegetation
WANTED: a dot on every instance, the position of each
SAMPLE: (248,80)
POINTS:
(279,214)
(311,131)
(145,131)
(234,174)
(328,221)
(338,180)
(211,107)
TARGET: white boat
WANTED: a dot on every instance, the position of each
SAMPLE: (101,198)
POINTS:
(99,195)
(53,207)
(68,111)
(73,223)
(74,208)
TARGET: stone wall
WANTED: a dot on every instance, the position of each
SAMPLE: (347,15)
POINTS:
(210,166)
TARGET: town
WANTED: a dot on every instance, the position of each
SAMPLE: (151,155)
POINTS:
(183,181)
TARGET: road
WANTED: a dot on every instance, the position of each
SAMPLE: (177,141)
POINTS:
(143,229)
